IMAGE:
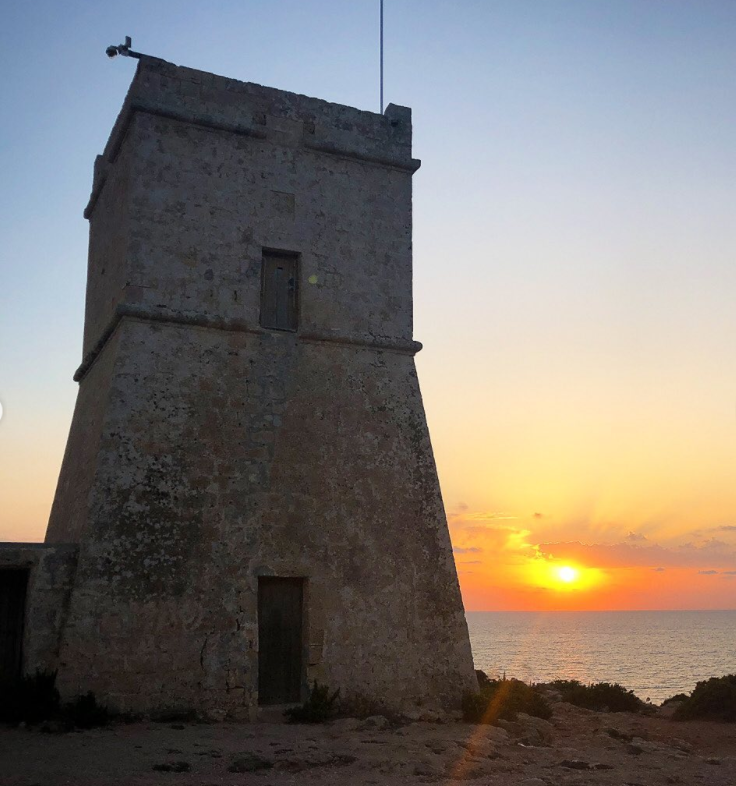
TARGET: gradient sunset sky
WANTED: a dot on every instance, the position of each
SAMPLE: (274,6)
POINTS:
(575,262)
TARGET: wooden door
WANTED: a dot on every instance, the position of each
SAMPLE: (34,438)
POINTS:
(13,586)
(280,640)
(279,284)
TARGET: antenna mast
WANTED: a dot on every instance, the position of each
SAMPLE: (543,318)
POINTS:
(381,58)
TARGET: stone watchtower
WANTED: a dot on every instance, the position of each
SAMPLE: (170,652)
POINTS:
(249,480)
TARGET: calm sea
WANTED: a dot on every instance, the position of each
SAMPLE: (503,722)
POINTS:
(654,653)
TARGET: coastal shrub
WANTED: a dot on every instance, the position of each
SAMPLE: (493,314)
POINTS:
(714,699)
(29,699)
(502,700)
(474,706)
(676,697)
(358,705)
(599,696)
(564,686)
(319,707)
(34,699)
(174,715)
(482,677)
(85,713)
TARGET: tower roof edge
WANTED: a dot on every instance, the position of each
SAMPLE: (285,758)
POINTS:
(203,98)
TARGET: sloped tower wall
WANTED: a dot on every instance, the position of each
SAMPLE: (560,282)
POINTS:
(208,452)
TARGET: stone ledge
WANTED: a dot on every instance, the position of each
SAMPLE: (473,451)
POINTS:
(406,166)
(123,311)
(411,165)
(26,555)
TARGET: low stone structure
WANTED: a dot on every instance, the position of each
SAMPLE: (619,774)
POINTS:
(248,500)
(38,581)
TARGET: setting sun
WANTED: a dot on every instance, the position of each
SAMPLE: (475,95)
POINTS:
(549,583)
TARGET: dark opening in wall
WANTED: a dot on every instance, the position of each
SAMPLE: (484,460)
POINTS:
(13,588)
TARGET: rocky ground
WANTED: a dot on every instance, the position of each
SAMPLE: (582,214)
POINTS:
(576,747)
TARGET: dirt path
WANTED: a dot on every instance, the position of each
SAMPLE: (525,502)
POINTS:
(577,748)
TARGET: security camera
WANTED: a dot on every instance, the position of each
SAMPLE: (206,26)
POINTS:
(122,49)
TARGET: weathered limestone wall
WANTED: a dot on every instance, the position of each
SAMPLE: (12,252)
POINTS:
(70,509)
(108,267)
(201,255)
(206,451)
(51,574)
(246,461)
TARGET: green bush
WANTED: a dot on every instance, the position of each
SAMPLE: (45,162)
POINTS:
(676,697)
(85,713)
(29,699)
(565,686)
(174,715)
(599,696)
(502,700)
(358,705)
(482,677)
(318,708)
(714,699)
(474,706)
(34,699)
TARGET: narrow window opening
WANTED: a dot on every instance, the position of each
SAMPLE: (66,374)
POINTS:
(279,291)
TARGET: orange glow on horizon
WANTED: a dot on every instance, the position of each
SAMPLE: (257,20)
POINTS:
(509,563)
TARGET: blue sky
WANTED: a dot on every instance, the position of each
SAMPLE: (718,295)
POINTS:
(574,236)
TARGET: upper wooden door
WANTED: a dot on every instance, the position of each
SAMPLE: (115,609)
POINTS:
(279,291)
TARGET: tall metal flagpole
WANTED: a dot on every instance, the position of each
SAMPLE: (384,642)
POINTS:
(381,56)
